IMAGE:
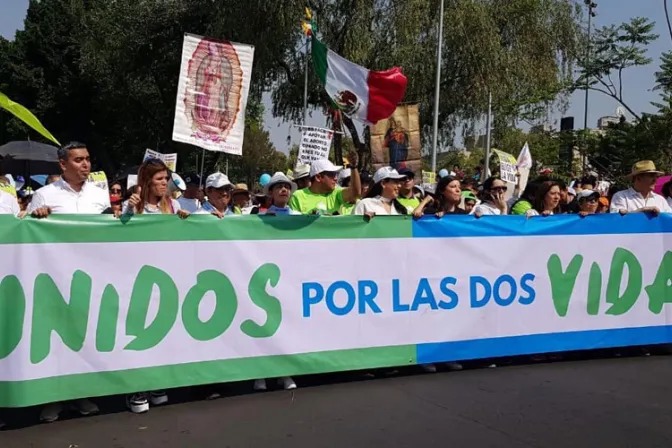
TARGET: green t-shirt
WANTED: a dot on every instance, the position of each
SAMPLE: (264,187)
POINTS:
(410,203)
(521,207)
(346,209)
(305,201)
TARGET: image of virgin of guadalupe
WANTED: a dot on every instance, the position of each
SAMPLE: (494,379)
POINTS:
(214,89)
(397,142)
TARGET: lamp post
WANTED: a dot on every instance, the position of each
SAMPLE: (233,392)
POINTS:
(591,13)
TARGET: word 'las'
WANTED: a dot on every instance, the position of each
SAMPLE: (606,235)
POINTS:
(70,319)
(563,282)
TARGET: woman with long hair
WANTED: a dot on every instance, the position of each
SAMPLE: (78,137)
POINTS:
(449,197)
(493,202)
(382,196)
(152,195)
(547,200)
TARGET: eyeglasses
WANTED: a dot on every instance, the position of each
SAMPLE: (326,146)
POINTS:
(498,189)
(115,190)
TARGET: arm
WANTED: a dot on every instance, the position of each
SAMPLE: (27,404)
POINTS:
(618,204)
(419,210)
(354,191)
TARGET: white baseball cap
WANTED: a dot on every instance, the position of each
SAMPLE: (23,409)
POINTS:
(386,172)
(588,193)
(279,178)
(323,166)
(217,180)
(344,174)
(301,171)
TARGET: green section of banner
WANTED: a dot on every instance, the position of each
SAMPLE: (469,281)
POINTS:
(107,229)
(54,389)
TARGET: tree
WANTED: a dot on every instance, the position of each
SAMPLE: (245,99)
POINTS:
(614,49)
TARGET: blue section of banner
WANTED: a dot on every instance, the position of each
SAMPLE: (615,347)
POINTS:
(542,343)
(606,224)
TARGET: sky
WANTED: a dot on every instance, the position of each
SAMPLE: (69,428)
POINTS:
(638,82)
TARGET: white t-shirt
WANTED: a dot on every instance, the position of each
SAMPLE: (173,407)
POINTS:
(61,198)
(207,209)
(149,210)
(486,209)
(373,206)
(8,204)
(669,201)
(631,201)
(280,211)
(189,205)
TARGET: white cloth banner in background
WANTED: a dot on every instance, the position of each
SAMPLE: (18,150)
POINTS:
(525,157)
(212,94)
(507,166)
(169,159)
(315,144)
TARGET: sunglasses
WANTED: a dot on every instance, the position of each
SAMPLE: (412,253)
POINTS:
(330,174)
(499,189)
(115,190)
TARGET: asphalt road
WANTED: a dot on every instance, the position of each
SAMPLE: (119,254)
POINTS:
(601,403)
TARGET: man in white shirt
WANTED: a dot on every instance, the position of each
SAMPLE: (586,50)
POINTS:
(72,194)
(8,204)
(640,197)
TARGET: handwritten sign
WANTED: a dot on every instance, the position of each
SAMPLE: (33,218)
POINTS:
(315,144)
(507,166)
(169,159)
(428,177)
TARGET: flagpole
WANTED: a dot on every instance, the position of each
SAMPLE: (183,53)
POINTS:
(305,84)
(488,125)
(437,91)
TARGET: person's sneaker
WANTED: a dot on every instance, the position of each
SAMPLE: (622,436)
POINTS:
(85,407)
(137,403)
(50,412)
(259,385)
(158,397)
(454,366)
(287,383)
(429,368)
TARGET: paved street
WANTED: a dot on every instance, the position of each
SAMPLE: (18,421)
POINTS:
(601,403)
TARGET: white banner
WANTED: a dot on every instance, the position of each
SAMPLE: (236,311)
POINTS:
(212,94)
(169,159)
(315,144)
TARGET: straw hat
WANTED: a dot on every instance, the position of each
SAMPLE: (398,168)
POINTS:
(644,167)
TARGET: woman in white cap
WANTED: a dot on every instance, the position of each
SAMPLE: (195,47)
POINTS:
(382,197)
(280,190)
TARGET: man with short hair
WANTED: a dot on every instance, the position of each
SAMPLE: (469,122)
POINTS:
(406,197)
(190,200)
(324,196)
(640,197)
(72,194)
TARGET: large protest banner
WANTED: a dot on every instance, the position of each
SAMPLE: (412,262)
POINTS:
(94,306)
(396,141)
(212,94)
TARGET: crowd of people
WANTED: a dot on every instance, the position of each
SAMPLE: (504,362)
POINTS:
(320,188)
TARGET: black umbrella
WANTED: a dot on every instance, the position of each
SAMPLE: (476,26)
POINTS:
(27,158)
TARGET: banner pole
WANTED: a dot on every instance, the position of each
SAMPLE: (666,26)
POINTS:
(202,168)
(488,124)
(305,85)
(437,91)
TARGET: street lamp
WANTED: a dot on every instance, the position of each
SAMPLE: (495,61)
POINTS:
(591,13)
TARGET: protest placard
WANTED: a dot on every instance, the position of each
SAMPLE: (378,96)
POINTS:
(507,166)
(99,179)
(169,159)
(315,144)
(428,177)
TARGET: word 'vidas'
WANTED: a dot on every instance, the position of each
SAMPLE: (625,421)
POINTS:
(623,263)
(70,319)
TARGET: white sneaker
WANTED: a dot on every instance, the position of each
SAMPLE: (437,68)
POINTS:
(454,366)
(51,412)
(287,383)
(137,403)
(429,368)
(259,385)
(158,397)
(85,407)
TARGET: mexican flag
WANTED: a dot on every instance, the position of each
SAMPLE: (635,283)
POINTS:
(361,94)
